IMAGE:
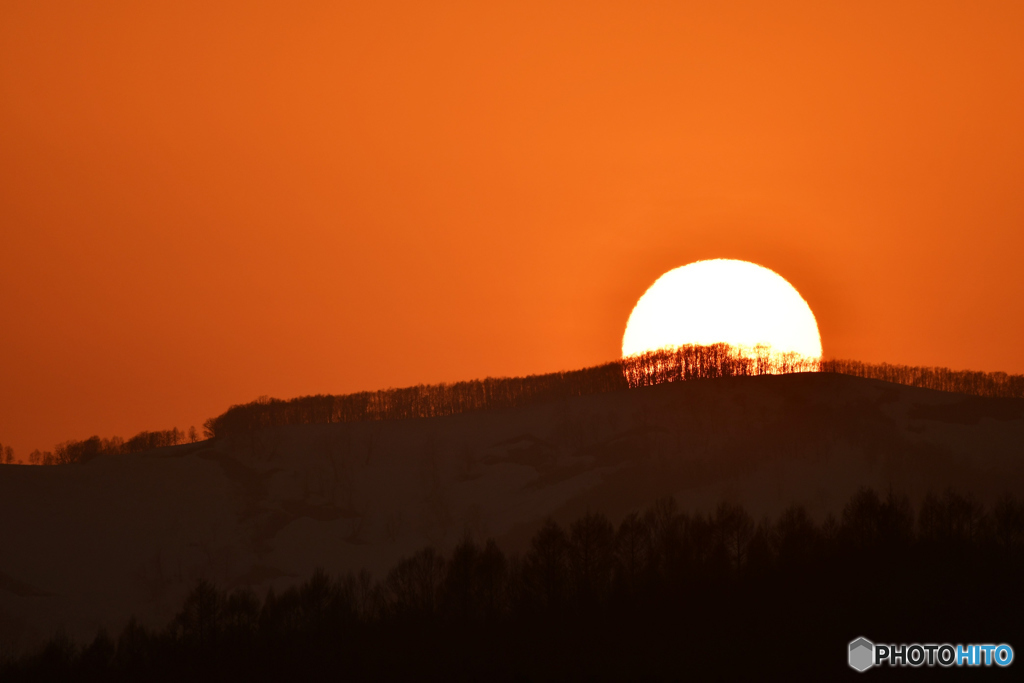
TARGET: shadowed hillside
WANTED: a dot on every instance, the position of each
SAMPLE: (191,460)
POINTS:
(682,364)
(87,545)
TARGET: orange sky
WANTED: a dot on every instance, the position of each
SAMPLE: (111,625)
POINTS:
(201,204)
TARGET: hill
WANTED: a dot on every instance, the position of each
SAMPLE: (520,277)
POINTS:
(87,545)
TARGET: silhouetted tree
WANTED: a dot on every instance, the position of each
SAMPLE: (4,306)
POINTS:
(413,586)
(632,550)
(241,613)
(200,617)
(760,554)
(462,587)
(950,520)
(736,528)
(665,526)
(545,571)
(1008,527)
(491,580)
(797,539)
(324,603)
(591,555)
(134,647)
(98,656)
(70,452)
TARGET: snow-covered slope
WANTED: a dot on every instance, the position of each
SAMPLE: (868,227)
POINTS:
(85,546)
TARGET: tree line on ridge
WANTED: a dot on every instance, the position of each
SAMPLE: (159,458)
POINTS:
(683,363)
(73,451)
(667,365)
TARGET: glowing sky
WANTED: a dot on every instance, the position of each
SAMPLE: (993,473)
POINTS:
(202,203)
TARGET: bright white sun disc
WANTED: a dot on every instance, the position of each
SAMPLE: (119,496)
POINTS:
(722,300)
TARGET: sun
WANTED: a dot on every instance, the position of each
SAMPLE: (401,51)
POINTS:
(722,300)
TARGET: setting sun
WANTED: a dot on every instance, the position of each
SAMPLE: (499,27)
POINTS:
(722,300)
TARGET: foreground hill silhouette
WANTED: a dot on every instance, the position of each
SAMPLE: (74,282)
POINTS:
(665,595)
(88,545)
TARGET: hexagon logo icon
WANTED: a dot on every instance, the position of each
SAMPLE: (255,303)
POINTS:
(862,654)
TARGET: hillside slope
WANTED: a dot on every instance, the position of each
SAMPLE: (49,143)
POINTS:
(83,546)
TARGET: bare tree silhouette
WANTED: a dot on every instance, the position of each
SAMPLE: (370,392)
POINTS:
(683,363)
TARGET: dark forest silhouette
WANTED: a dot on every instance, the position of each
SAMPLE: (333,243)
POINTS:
(665,593)
(68,452)
(683,363)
